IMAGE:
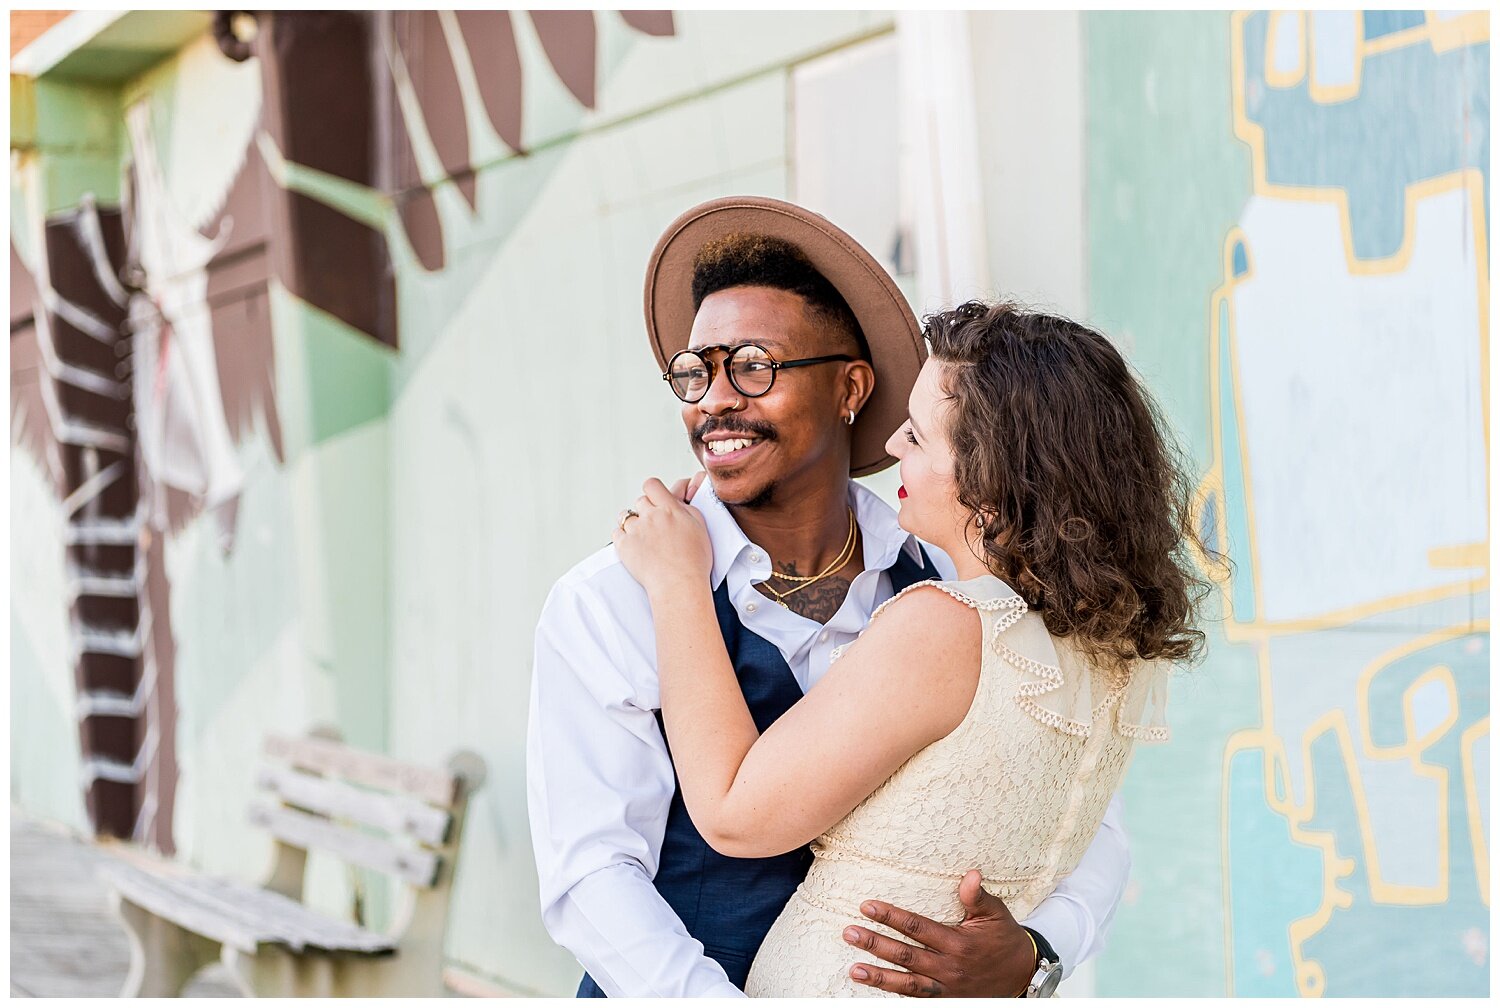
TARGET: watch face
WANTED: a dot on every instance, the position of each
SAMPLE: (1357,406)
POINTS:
(1049,984)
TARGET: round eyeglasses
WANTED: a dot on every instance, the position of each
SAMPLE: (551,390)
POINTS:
(752,370)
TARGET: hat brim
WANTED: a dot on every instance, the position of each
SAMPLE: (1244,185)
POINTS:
(890,328)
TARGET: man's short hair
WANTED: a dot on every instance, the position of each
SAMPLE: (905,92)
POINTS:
(755,260)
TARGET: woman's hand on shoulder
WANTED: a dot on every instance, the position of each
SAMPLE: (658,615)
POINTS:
(664,543)
(686,488)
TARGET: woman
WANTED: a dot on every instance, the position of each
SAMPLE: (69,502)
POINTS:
(1002,705)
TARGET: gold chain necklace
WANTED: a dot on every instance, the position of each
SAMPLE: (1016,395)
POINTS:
(848,544)
(839,563)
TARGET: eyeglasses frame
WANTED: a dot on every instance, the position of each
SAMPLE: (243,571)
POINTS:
(729,351)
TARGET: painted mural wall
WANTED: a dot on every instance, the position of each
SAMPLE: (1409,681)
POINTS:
(386,380)
(1289,225)
(382,395)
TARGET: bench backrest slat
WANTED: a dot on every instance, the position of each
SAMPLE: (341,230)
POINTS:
(394,813)
(299,829)
(436,787)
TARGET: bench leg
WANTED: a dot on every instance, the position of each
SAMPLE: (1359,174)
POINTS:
(275,972)
(163,956)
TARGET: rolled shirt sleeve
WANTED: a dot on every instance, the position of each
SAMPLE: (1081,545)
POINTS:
(599,783)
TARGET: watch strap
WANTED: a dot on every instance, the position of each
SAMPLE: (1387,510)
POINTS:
(1048,972)
(1044,949)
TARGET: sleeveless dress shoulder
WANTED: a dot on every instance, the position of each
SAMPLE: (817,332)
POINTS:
(1018,790)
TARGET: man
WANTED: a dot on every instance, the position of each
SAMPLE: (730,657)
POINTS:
(791,324)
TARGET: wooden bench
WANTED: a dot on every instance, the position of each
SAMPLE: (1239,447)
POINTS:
(402,820)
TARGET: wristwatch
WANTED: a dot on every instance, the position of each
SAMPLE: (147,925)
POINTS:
(1049,969)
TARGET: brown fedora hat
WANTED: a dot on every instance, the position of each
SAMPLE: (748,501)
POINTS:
(890,328)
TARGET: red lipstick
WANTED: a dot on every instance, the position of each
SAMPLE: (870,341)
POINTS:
(901,492)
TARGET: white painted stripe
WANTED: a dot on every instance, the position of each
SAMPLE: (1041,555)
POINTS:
(93,487)
(79,318)
(104,532)
(91,236)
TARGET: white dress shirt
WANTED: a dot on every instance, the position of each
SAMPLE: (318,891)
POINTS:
(599,780)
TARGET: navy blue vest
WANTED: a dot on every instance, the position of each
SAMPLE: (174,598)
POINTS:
(729,904)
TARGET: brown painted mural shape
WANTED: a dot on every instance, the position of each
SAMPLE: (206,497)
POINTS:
(317,75)
(327,84)
(569,39)
(28,411)
(497,70)
(658,23)
(429,62)
(74,388)
(239,302)
(69,379)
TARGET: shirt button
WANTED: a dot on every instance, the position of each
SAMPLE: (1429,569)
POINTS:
(823,637)
(751,607)
(755,558)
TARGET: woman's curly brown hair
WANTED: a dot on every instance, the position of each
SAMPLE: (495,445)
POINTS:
(1084,495)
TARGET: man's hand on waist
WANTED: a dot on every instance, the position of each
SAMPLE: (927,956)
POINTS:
(987,955)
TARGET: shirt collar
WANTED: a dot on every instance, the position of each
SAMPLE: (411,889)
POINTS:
(883,536)
(724,533)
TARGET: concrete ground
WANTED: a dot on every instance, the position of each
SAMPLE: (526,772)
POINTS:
(64,939)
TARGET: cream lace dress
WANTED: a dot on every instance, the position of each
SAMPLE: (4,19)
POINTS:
(1017,790)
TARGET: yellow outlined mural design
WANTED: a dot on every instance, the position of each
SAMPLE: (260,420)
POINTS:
(1355,839)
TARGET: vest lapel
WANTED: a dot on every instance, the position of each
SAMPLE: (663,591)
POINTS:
(906,572)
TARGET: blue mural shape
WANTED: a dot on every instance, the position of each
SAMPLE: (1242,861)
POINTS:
(1436,949)
(1261,848)
(1311,143)
(1381,23)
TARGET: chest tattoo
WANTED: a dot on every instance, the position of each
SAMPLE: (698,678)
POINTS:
(817,602)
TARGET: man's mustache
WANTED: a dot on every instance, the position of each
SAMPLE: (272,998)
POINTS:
(737,425)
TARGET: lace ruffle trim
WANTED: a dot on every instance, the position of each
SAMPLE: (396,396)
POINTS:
(1152,696)
(1048,678)
(983,605)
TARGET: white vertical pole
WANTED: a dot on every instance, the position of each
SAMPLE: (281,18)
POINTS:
(940,152)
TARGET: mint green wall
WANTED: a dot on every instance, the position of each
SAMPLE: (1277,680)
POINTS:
(503,475)
(44,757)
